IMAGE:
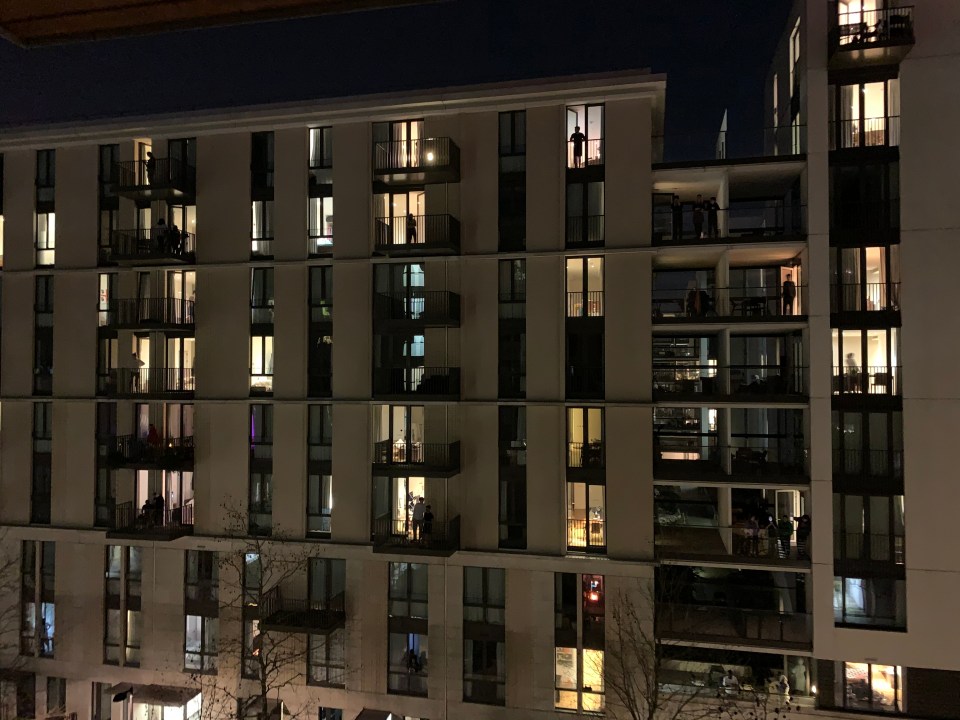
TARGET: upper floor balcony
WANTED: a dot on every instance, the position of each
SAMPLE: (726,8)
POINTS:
(775,303)
(726,625)
(415,306)
(435,537)
(680,455)
(149,523)
(683,223)
(736,383)
(855,380)
(856,298)
(143,453)
(417,235)
(159,313)
(281,613)
(425,383)
(870,37)
(150,246)
(156,179)
(773,144)
(400,457)
(147,382)
(417,161)
(585,304)
(866,132)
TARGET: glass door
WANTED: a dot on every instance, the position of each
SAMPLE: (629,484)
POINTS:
(406,135)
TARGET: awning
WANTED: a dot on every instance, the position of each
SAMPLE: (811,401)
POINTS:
(368,714)
(164,695)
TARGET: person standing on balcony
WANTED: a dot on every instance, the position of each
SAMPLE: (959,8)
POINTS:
(411,229)
(785,530)
(676,208)
(789,293)
(803,536)
(698,208)
(427,530)
(418,511)
(713,222)
(577,139)
(852,374)
(151,168)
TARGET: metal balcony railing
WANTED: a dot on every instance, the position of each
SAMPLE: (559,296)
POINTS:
(135,451)
(742,381)
(742,220)
(439,536)
(585,455)
(149,245)
(866,28)
(420,154)
(870,547)
(586,534)
(749,303)
(278,612)
(707,148)
(710,623)
(435,457)
(867,380)
(584,153)
(149,312)
(418,234)
(691,457)
(169,175)
(865,297)
(584,231)
(420,381)
(171,521)
(677,540)
(865,132)
(868,463)
(429,307)
(585,304)
(145,381)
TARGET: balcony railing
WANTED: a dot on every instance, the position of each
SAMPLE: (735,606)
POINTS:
(868,463)
(709,623)
(164,453)
(744,221)
(150,312)
(708,148)
(434,159)
(585,455)
(320,384)
(585,304)
(426,307)
(163,522)
(749,303)
(744,382)
(585,153)
(285,614)
(865,132)
(865,29)
(431,459)
(321,241)
(584,231)
(156,178)
(587,535)
(692,457)
(417,381)
(865,297)
(418,235)
(867,380)
(149,246)
(395,535)
(869,547)
(675,540)
(130,382)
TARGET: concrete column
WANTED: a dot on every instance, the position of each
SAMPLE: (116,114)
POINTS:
(479,330)
(19,219)
(223,198)
(373,640)
(628,435)
(353,200)
(352,330)
(725,518)
(74,334)
(18,321)
(290,469)
(530,639)
(546,327)
(546,430)
(479,181)
(73,457)
(162,608)
(221,474)
(290,331)
(442,640)
(222,363)
(628,181)
(351,473)
(628,371)
(478,482)
(546,179)
(76,195)
(291,148)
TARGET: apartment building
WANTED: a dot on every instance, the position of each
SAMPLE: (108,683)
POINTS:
(549,358)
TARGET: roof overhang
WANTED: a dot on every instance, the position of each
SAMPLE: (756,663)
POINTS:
(45,22)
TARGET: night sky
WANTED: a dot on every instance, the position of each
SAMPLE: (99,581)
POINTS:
(715,54)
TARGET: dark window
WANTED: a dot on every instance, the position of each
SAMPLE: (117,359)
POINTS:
(319,478)
(261,161)
(42,441)
(513,477)
(260,500)
(512,208)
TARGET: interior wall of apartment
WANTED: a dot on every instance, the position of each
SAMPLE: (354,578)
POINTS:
(74,334)
(352,190)
(546,179)
(627,172)
(290,161)
(76,192)
(222,359)
(223,198)
(479,177)
(17,349)
(290,321)
(352,330)
(289,464)
(19,201)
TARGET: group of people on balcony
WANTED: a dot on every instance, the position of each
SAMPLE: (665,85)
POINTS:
(710,208)
(152,513)
(698,303)
(764,536)
(169,239)
(421,519)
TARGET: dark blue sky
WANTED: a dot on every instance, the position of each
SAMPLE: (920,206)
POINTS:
(715,53)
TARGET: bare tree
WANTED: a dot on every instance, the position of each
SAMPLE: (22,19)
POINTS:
(756,704)
(10,658)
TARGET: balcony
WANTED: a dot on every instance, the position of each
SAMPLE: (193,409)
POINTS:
(147,382)
(585,153)
(393,536)
(728,304)
(167,179)
(585,304)
(734,383)
(585,535)
(772,144)
(749,461)
(871,37)
(418,235)
(424,308)
(585,231)
(742,221)
(426,383)
(416,162)
(417,458)
(152,246)
(865,132)
(131,451)
(735,626)
(150,314)
(283,614)
(150,523)
(870,380)
(739,544)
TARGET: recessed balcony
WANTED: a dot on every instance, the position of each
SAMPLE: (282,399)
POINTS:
(743,221)
(416,458)
(147,382)
(692,539)
(132,451)
(748,461)
(424,308)
(417,235)
(871,37)
(150,314)
(417,161)
(870,132)
(742,304)
(426,383)
(394,536)
(130,522)
(733,383)
(167,179)
(299,615)
(151,246)
(860,380)
(728,625)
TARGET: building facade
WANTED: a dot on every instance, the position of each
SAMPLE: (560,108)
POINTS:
(551,363)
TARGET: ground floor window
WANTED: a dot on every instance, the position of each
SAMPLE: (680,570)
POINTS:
(872,687)
(579,680)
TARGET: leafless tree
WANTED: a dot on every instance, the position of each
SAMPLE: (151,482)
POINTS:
(756,704)
(10,658)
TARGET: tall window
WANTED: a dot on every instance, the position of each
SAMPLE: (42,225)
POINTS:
(261,160)
(512,208)
(320,338)
(408,657)
(512,345)
(579,640)
(56,696)
(320,209)
(513,476)
(261,229)
(123,622)
(321,148)
(108,199)
(326,658)
(584,136)
(484,665)
(260,507)
(261,331)
(45,232)
(586,497)
(872,688)
(253,591)
(42,445)
(37,611)
(201,610)
(585,214)
(585,287)
(43,336)
(865,114)
(319,476)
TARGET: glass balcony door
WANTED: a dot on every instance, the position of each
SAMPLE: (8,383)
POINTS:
(406,134)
